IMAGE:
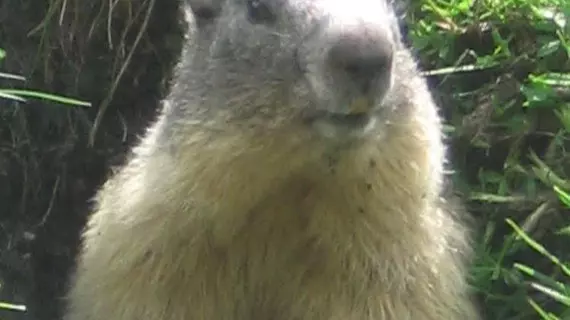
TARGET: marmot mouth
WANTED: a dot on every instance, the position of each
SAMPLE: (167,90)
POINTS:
(355,120)
(332,124)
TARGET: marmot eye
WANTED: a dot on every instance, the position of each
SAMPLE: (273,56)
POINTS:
(259,12)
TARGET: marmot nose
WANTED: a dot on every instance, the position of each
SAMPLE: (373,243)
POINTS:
(363,58)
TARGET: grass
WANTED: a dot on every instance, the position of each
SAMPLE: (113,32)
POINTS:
(53,156)
(558,291)
(19,95)
(13,307)
(502,70)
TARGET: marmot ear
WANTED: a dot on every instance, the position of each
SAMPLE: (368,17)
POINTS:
(205,11)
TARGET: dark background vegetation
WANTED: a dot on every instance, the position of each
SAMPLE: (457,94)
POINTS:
(49,166)
(498,68)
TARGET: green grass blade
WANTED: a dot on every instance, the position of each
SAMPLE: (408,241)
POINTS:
(46,96)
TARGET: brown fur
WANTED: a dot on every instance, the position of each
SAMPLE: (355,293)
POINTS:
(238,224)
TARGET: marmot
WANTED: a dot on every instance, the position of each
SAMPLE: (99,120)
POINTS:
(295,172)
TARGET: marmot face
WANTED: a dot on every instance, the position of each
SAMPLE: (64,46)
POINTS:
(330,67)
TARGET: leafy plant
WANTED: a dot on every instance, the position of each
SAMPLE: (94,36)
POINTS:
(502,69)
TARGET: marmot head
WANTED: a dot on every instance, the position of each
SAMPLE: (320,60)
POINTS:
(337,68)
